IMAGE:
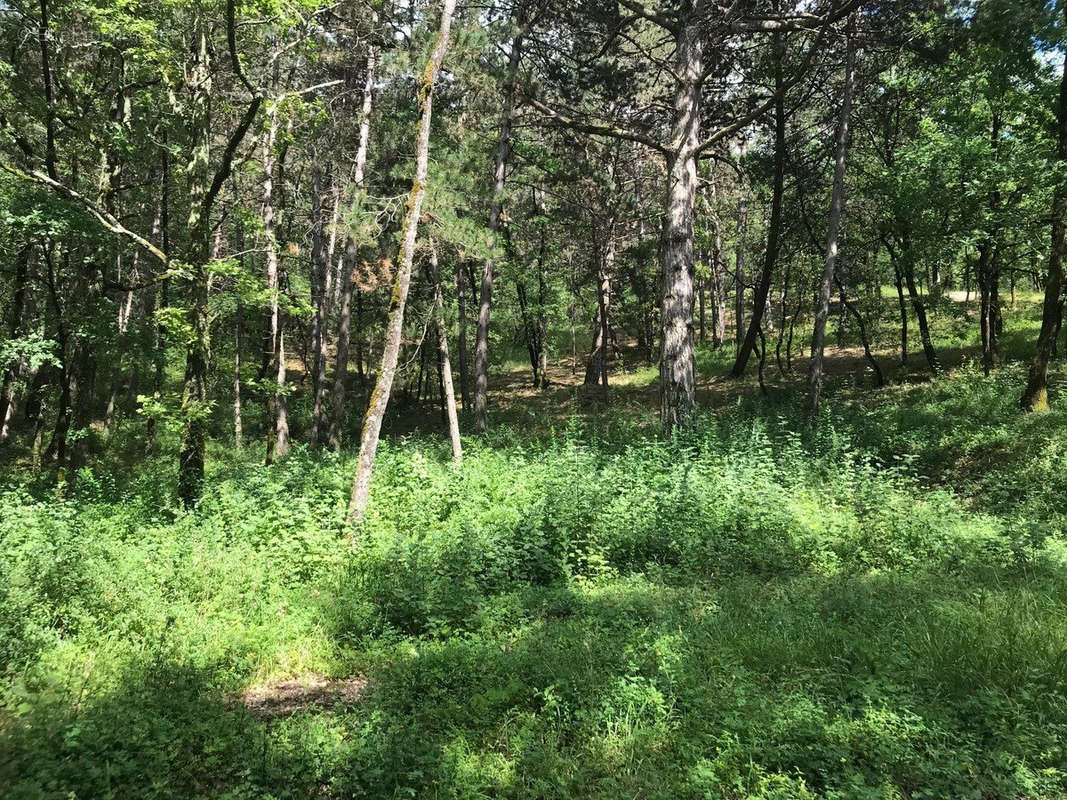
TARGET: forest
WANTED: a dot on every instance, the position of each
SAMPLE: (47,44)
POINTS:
(533,399)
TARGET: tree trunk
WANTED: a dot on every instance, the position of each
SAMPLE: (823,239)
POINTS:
(908,271)
(702,314)
(194,390)
(277,411)
(485,296)
(529,332)
(372,422)
(238,338)
(903,316)
(739,271)
(13,371)
(677,384)
(837,210)
(351,254)
(761,298)
(845,304)
(461,334)
(319,299)
(447,389)
(596,369)
(718,286)
(1035,396)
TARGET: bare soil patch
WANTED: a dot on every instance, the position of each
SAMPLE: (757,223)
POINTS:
(279,699)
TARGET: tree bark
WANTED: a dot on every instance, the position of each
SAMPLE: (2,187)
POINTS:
(448,391)
(761,297)
(739,271)
(461,334)
(485,296)
(277,410)
(903,316)
(194,390)
(379,400)
(319,295)
(13,371)
(351,254)
(596,369)
(837,210)
(677,383)
(1035,395)
(718,286)
(845,304)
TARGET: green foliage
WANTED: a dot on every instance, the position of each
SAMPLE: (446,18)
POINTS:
(743,611)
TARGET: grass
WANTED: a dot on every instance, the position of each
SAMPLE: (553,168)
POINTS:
(872,608)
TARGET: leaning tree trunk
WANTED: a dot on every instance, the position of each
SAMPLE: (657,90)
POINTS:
(837,209)
(379,399)
(676,371)
(761,298)
(1035,396)
(485,296)
(344,325)
(917,304)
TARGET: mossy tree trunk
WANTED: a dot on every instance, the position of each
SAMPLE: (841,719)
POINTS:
(379,399)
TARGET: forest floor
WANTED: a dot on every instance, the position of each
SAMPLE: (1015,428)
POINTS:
(873,606)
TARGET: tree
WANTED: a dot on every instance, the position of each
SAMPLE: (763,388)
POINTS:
(372,422)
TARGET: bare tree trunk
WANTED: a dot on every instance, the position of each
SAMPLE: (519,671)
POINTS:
(677,382)
(837,210)
(542,323)
(13,371)
(529,332)
(761,298)
(277,414)
(903,316)
(160,229)
(448,391)
(194,390)
(319,299)
(238,338)
(845,304)
(718,286)
(344,325)
(1035,396)
(596,370)
(702,315)
(908,271)
(739,270)
(344,328)
(485,296)
(461,334)
(379,399)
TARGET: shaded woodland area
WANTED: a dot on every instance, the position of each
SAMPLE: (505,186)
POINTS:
(555,399)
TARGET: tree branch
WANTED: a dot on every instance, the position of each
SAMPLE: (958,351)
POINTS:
(103,217)
(593,128)
(225,167)
(654,17)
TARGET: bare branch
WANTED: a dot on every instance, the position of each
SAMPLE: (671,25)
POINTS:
(594,128)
